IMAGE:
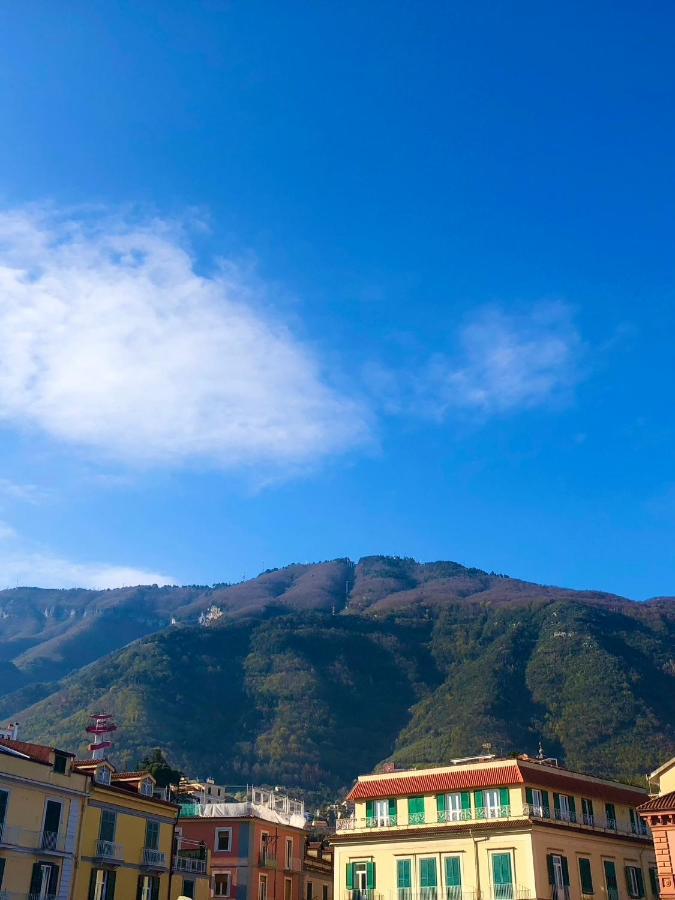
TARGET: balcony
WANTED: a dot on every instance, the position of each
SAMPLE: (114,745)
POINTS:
(108,850)
(42,841)
(268,861)
(588,821)
(191,865)
(153,859)
(444,817)
(455,892)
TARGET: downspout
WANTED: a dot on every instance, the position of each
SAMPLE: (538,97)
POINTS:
(171,856)
(476,867)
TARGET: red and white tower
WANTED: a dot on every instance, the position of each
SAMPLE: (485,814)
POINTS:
(101,728)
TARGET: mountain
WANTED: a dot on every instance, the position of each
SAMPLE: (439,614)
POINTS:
(311,674)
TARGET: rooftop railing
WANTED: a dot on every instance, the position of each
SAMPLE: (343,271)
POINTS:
(639,829)
(189,864)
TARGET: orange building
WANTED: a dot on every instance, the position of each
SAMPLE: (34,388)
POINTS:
(659,814)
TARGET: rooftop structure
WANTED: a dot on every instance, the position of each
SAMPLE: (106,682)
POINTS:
(208,800)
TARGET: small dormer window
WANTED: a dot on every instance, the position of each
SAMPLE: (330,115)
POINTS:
(103,775)
(60,763)
(147,787)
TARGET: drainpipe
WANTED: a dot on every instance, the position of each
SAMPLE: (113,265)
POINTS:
(476,867)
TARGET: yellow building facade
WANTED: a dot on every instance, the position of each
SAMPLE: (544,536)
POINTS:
(125,850)
(41,803)
(493,829)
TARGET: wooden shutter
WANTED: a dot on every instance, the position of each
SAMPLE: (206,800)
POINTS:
(565,871)
(154,887)
(629,882)
(428,876)
(109,893)
(392,809)
(403,874)
(349,877)
(654,881)
(528,796)
(504,797)
(415,806)
(549,866)
(36,878)
(370,809)
(370,875)
(453,872)
(466,800)
(440,803)
(3,806)
(139,889)
(2,869)
(585,875)
(633,823)
(501,868)
(641,882)
(479,799)
(546,804)
(556,803)
(573,809)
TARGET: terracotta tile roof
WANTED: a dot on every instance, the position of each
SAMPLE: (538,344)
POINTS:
(564,781)
(436,783)
(664,803)
(37,752)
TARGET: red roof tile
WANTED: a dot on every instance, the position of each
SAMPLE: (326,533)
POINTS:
(37,752)
(664,803)
(568,782)
(436,783)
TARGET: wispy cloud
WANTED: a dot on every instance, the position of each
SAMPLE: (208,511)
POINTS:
(111,341)
(25,493)
(505,362)
(23,563)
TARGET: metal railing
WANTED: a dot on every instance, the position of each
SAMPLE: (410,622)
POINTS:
(510,892)
(49,841)
(365,894)
(109,850)
(189,864)
(455,815)
(543,812)
(153,858)
(447,816)
(381,821)
(450,892)
(268,861)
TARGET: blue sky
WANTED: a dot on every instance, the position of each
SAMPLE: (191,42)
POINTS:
(290,281)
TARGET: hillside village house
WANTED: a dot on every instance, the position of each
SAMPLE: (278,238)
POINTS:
(41,802)
(493,829)
(258,843)
(659,814)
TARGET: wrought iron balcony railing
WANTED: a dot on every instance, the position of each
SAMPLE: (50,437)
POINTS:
(155,859)
(47,841)
(109,850)
(189,864)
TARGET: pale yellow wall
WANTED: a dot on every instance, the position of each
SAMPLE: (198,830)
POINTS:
(666,778)
(596,847)
(202,886)
(30,785)
(130,834)
(474,852)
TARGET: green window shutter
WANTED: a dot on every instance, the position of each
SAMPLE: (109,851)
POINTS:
(629,883)
(139,887)
(504,797)
(349,877)
(641,882)
(453,872)
(3,806)
(440,803)
(545,803)
(92,884)
(549,866)
(528,796)
(654,881)
(2,869)
(110,885)
(428,877)
(370,809)
(466,800)
(370,875)
(573,809)
(610,874)
(36,879)
(610,811)
(633,822)
(415,805)
(392,809)
(479,799)
(585,875)
(556,802)
(403,874)
(565,871)
(501,868)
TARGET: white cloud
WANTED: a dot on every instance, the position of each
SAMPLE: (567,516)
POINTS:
(110,340)
(24,564)
(507,362)
(26,493)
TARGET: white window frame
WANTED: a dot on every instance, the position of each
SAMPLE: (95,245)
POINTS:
(216,847)
(147,787)
(635,887)
(453,807)
(381,812)
(289,852)
(558,878)
(228,883)
(361,875)
(262,880)
(492,810)
(537,802)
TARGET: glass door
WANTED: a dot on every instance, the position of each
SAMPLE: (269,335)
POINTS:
(428,879)
(453,878)
(52,823)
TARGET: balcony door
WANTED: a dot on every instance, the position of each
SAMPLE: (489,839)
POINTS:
(381,810)
(44,881)
(50,829)
(610,880)
(428,879)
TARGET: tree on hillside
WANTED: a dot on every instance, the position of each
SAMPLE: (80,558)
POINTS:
(157,764)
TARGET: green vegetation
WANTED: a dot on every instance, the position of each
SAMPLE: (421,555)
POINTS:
(419,664)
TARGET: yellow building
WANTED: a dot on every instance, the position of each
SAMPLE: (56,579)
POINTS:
(493,829)
(127,836)
(41,802)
